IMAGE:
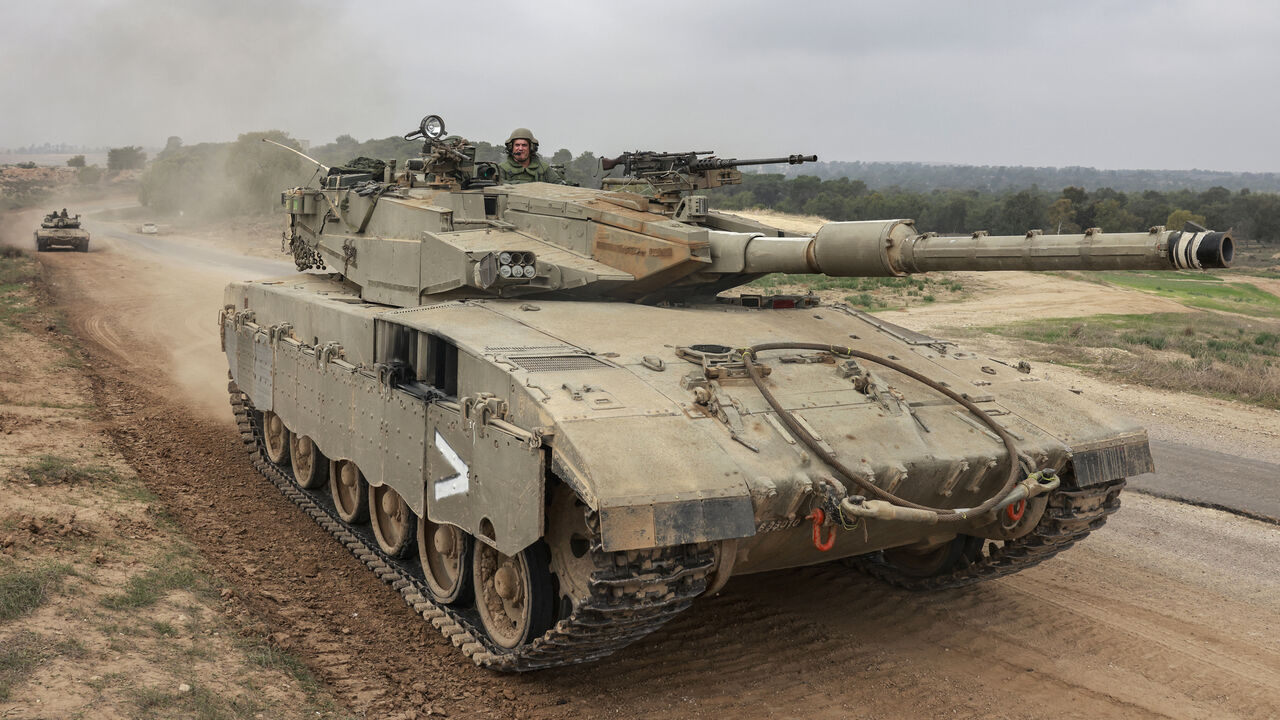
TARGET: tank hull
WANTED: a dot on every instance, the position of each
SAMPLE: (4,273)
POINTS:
(74,238)
(472,410)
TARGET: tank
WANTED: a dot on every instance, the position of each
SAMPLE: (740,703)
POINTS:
(543,414)
(60,230)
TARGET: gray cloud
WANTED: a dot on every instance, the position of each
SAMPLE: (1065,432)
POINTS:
(1110,84)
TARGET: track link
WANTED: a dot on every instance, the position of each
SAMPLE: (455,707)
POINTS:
(1069,517)
(630,594)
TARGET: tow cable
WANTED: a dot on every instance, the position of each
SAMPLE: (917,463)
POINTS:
(887,505)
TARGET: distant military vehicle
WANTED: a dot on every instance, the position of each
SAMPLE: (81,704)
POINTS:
(545,415)
(60,230)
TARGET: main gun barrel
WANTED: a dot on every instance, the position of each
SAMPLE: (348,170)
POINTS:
(887,248)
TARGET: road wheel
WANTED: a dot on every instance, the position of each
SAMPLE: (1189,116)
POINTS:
(275,437)
(513,594)
(394,524)
(445,553)
(349,490)
(310,467)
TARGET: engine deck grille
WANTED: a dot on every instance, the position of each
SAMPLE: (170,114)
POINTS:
(558,363)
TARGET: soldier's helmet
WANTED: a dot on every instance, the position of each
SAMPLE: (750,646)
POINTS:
(523,134)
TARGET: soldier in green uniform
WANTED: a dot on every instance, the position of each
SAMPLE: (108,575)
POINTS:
(523,164)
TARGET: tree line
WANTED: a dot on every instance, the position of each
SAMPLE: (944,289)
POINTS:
(1255,216)
(246,177)
(926,177)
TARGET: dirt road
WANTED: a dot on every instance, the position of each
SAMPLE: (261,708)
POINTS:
(1168,612)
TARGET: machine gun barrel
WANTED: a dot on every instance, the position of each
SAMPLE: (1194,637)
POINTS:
(716,163)
(887,248)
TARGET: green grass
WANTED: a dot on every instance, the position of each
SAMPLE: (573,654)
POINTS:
(17,271)
(265,656)
(871,293)
(52,470)
(1257,272)
(198,702)
(863,284)
(22,591)
(1200,290)
(18,657)
(149,587)
(21,653)
(1209,353)
(136,492)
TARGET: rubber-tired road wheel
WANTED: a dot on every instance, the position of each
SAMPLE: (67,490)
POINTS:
(310,466)
(394,524)
(275,437)
(513,594)
(349,490)
(445,554)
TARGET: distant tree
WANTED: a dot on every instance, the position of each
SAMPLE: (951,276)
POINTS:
(126,158)
(1021,211)
(172,144)
(1216,194)
(1061,214)
(1178,218)
(90,175)
(1112,217)
(76,161)
(259,171)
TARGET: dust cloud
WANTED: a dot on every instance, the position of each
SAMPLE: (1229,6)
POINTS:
(152,307)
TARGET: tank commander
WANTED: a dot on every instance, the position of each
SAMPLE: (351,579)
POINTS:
(523,165)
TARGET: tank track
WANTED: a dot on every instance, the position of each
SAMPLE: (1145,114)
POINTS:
(1068,518)
(631,594)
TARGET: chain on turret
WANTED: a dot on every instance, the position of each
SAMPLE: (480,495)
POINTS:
(630,594)
(1069,517)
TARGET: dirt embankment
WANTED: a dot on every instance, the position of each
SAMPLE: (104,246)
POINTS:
(1168,611)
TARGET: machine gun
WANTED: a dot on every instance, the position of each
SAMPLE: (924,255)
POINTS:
(669,175)
(448,161)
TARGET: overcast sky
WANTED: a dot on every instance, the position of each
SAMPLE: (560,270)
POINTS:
(1126,84)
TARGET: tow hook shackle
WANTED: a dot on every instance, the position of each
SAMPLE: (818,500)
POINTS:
(819,516)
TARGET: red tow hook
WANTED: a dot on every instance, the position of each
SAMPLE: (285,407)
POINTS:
(818,517)
(1014,511)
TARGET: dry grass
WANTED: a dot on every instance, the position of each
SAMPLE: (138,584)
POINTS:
(1205,353)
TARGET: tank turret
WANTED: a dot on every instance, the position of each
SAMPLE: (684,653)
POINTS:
(527,408)
(443,226)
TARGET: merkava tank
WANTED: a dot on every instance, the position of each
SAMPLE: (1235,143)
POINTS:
(537,412)
(57,229)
